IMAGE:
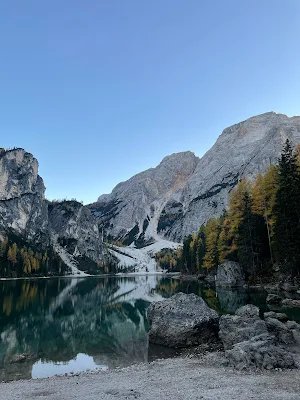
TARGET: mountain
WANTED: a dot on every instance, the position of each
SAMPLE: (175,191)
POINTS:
(154,209)
(135,208)
(183,191)
(26,217)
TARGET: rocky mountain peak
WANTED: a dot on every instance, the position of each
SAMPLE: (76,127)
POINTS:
(183,191)
(181,158)
(19,174)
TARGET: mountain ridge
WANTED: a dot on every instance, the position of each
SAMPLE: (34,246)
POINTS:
(154,209)
(254,144)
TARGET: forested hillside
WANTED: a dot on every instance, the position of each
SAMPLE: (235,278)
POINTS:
(18,259)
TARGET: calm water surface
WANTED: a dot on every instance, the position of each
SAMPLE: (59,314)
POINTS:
(64,325)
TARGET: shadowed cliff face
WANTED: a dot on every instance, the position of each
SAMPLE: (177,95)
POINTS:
(23,210)
(77,230)
(175,198)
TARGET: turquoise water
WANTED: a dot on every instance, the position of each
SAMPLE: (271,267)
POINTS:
(64,325)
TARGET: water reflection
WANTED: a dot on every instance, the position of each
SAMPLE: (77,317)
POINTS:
(48,326)
(81,363)
(55,320)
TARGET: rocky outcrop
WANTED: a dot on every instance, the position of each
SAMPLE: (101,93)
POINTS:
(230,274)
(75,229)
(23,210)
(182,321)
(251,342)
(175,198)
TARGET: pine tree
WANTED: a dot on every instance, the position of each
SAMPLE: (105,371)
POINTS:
(12,254)
(263,200)
(287,212)
(246,236)
(212,232)
(200,248)
(186,254)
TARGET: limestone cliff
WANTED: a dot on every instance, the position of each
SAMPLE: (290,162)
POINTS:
(175,198)
(23,210)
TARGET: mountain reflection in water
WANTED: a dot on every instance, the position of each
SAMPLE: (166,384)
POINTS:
(59,325)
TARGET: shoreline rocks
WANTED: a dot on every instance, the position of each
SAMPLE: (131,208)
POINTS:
(290,303)
(183,320)
(273,299)
(252,343)
(250,340)
(230,274)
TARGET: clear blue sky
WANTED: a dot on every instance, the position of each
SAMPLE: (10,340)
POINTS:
(99,90)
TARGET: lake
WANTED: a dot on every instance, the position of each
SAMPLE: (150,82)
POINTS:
(69,325)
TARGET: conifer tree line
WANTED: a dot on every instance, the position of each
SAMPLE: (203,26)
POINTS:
(18,259)
(260,228)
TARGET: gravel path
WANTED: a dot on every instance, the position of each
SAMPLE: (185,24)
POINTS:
(172,379)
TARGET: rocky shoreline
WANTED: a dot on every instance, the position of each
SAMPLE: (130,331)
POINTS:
(248,355)
(188,378)
(250,340)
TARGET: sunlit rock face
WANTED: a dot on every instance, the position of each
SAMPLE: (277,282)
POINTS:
(134,208)
(175,198)
(23,210)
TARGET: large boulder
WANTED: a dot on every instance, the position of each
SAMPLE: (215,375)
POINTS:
(230,274)
(181,321)
(251,342)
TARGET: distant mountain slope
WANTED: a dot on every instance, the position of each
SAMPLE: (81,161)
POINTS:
(175,198)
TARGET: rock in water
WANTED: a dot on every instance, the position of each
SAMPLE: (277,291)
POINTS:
(181,321)
(273,299)
(230,274)
(250,342)
(291,303)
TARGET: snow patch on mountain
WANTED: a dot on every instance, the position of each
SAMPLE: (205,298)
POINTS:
(140,260)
